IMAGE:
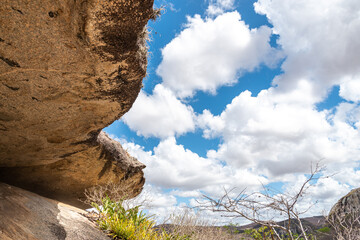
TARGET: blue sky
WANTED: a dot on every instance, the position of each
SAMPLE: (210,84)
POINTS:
(244,93)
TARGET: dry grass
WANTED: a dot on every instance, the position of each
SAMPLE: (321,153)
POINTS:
(195,227)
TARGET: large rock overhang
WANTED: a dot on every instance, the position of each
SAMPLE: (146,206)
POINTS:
(69,68)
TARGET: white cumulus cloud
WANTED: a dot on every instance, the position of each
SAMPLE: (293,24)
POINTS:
(350,89)
(160,114)
(274,136)
(213,52)
(318,38)
(217,7)
(279,138)
(171,166)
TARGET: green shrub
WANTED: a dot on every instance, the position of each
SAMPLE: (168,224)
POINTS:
(128,224)
(262,233)
(132,224)
(324,230)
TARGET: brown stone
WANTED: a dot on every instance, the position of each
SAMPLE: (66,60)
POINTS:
(28,216)
(69,68)
(347,205)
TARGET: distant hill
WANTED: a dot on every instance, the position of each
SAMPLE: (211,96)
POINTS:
(312,224)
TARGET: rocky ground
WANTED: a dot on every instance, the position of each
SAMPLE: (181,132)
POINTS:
(28,216)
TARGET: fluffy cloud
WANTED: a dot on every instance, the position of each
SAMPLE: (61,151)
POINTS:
(274,136)
(171,166)
(211,125)
(211,53)
(276,139)
(280,130)
(350,89)
(160,114)
(184,174)
(187,194)
(318,39)
(279,138)
(328,188)
(153,197)
(350,176)
(217,7)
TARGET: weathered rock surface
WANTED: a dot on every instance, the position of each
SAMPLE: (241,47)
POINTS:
(28,216)
(344,216)
(69,68)
(347,205)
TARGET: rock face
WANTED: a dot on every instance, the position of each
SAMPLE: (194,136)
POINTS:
(69,68)
(347,205)
(344,216)
(28,216)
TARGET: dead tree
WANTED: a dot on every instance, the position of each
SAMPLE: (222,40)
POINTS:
(346,224)
(262,207)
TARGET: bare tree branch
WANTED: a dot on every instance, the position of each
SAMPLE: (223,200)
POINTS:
(257,206)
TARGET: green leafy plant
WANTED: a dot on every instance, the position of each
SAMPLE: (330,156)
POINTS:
(128,224)
(324,230)
(231,228)
(262,233)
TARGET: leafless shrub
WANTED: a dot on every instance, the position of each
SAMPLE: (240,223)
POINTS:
(346,225)
(190,224)
(262,207)
(114,191)
(117,192)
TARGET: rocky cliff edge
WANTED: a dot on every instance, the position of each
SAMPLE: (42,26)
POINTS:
(69,68)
